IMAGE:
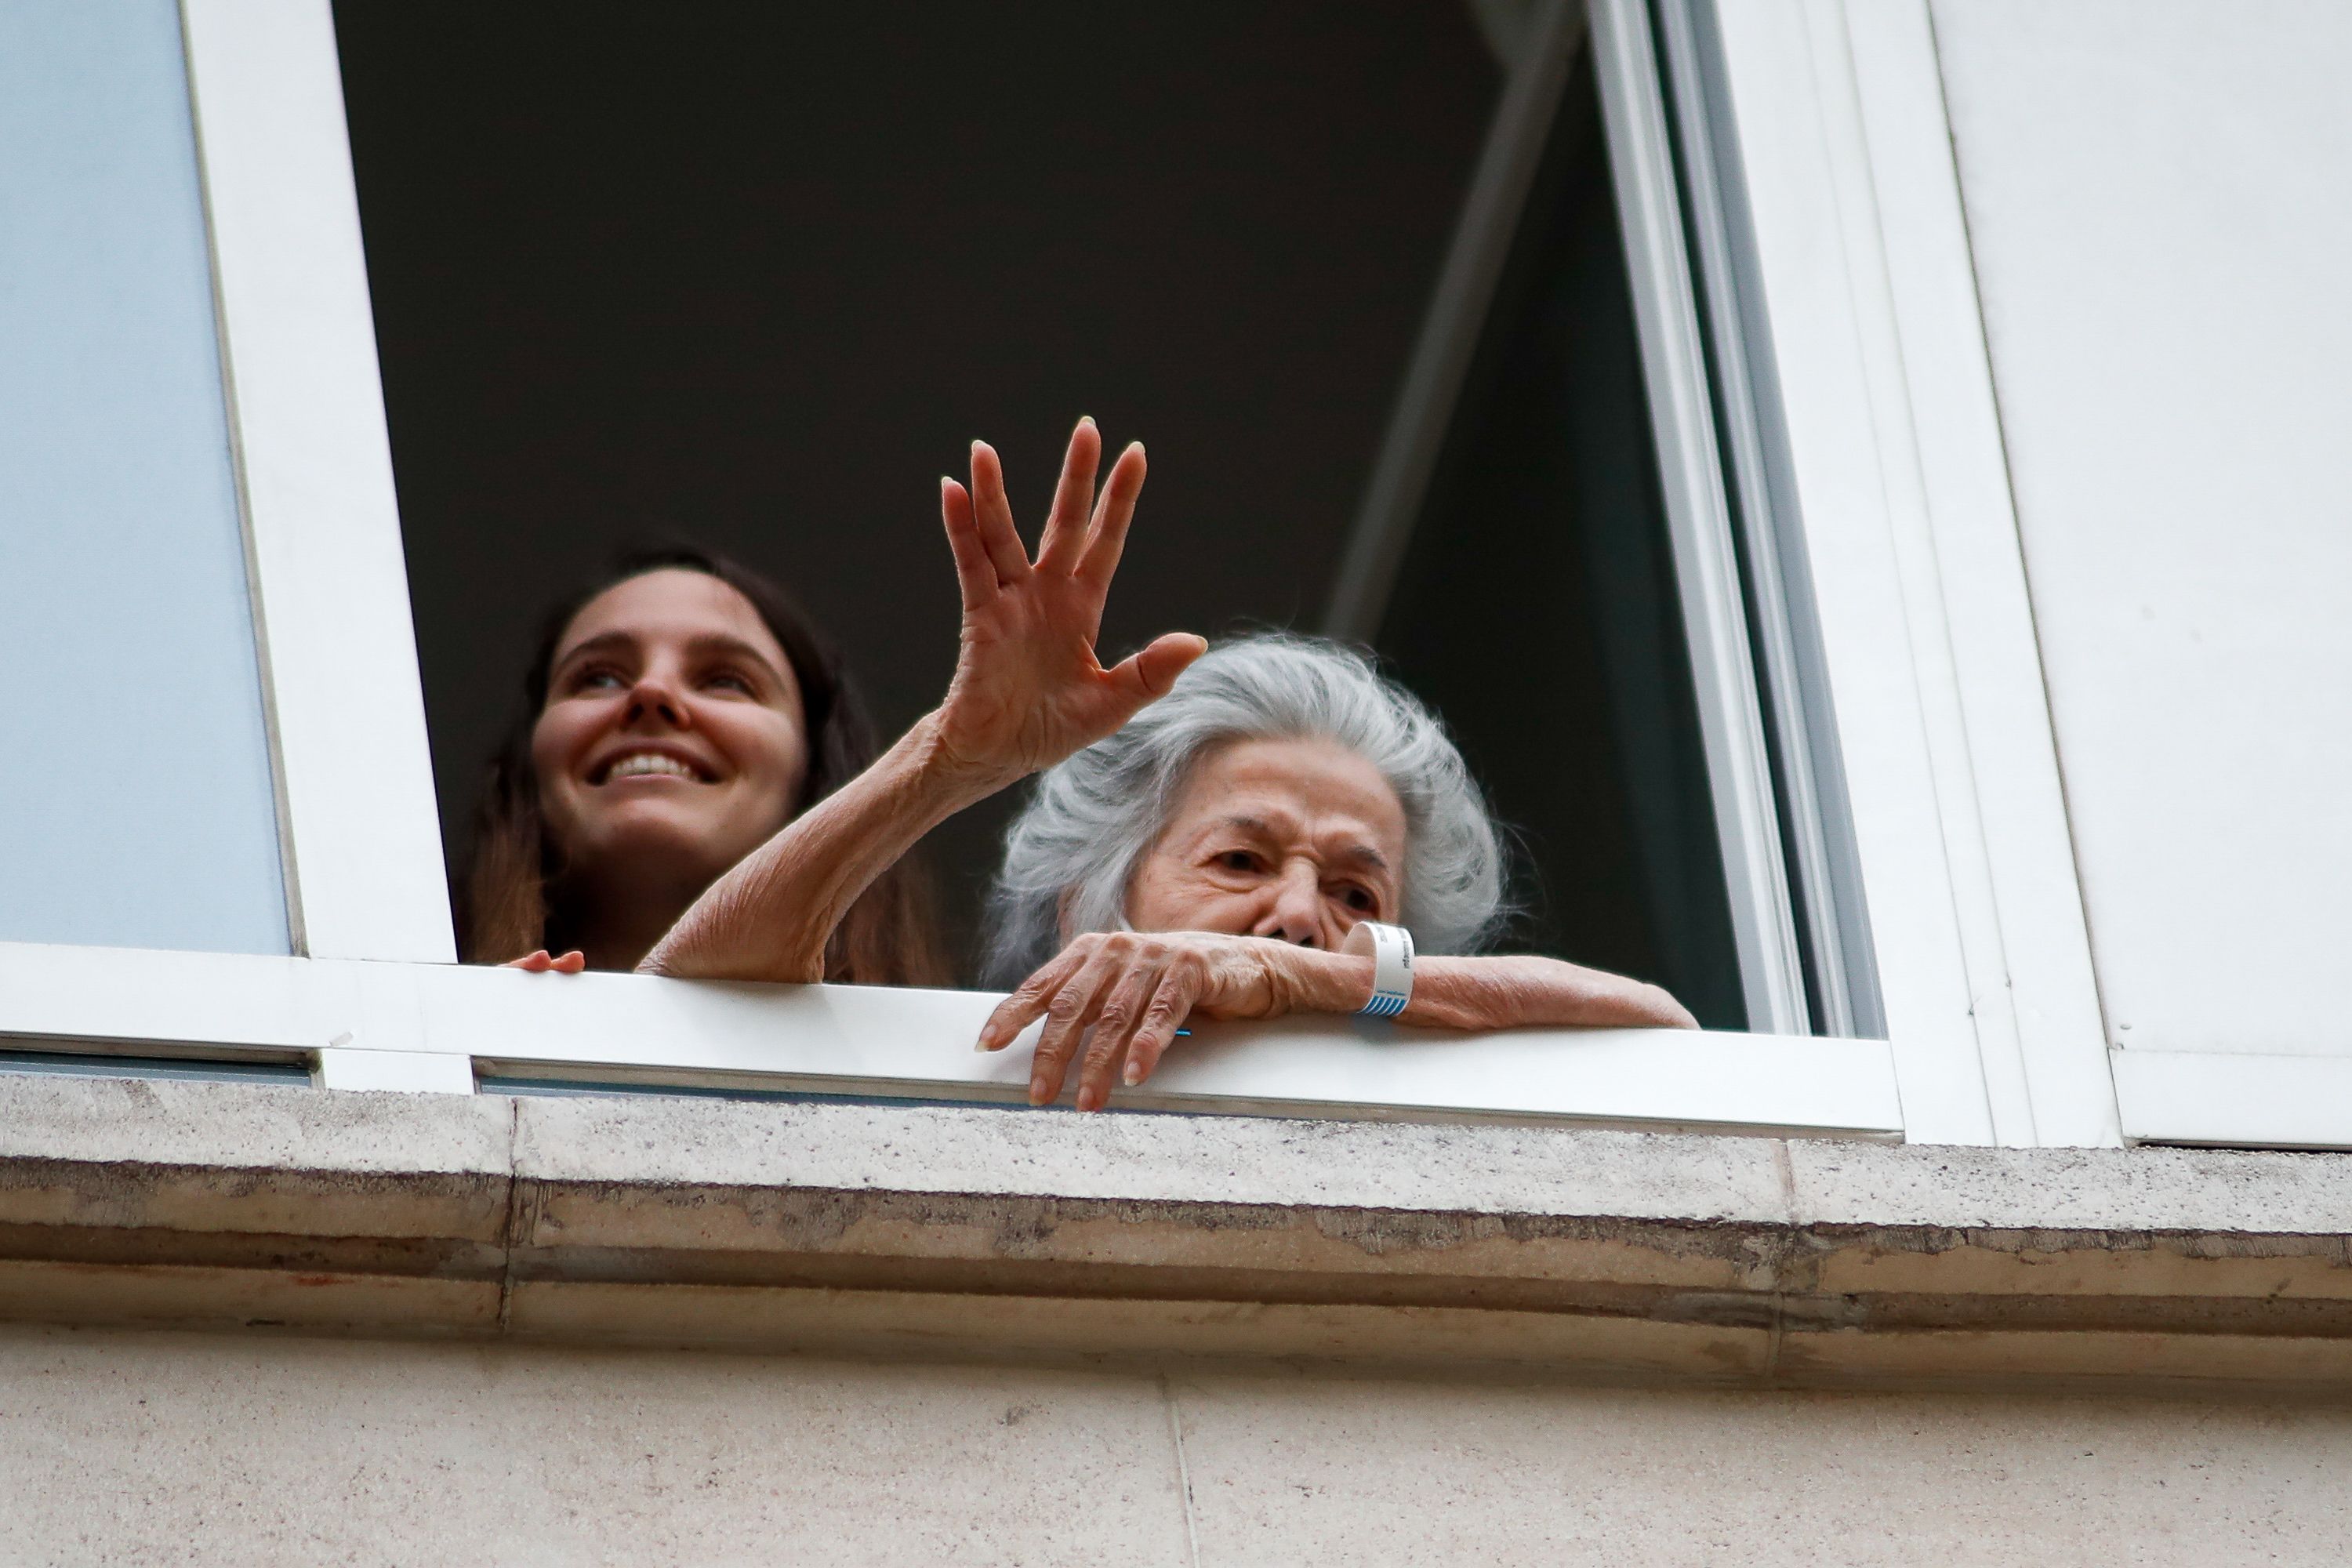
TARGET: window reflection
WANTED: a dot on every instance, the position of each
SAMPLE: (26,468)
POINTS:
(139,803)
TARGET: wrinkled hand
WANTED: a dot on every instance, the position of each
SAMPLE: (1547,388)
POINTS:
(1135,990)
(1028,690)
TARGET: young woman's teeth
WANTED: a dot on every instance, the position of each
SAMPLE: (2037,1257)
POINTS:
(649,762)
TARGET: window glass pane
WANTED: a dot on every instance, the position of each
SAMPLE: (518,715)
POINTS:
(138,810)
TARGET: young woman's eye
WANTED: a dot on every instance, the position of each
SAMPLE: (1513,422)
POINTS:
(597,680)
(728,680)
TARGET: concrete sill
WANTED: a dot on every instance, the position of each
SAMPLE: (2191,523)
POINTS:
(950,1231)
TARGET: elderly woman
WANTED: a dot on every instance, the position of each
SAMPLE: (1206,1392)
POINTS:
(1241,834)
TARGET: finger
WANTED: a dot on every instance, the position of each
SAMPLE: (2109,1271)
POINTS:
(1150,675)
(1066,525)
(994,513)
(975,572)
(1027,1003)
(572,963)
(1170,1005)
(1067,1014)
(534,962)
(1115,1022)
(1108,540)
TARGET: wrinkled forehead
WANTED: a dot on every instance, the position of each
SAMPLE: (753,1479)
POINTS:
(672,608)
(1316,789)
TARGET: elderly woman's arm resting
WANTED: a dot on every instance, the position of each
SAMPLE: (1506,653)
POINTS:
(1027,692)
(1134,990)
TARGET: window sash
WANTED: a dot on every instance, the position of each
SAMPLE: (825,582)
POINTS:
(1698,519)
(360,836)
(1899,511)
(1698,516)
(437,1026)
(1973,911)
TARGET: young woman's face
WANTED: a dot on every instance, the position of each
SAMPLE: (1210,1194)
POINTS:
(1293,839)
(672,741)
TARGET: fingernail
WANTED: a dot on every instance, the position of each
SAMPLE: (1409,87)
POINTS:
(1085,418)
(1132,1076)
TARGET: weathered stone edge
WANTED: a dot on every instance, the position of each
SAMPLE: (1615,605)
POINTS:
(1748,1258)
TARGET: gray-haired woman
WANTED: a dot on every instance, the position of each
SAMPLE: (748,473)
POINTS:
(1236,834)
(1227,852)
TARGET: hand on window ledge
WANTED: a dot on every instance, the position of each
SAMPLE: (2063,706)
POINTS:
(541,963)
(1133,990)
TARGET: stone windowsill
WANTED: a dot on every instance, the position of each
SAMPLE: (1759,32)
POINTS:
(953,1231)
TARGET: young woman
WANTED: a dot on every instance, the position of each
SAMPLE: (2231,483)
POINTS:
(675,717)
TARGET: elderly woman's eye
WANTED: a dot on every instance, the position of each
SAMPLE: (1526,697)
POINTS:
(1361,899)
(1238,860)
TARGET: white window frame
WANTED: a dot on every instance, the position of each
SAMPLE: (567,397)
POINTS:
(360,841)
(1698,521)
(1890,498)
(1873,342)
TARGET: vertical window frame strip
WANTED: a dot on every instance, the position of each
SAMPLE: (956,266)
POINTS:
(1816,815)
(1698,513)
(2041,1027)
(358,821)
(1864,304)
(430,1028)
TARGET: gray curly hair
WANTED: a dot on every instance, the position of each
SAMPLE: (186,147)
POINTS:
(1091,819)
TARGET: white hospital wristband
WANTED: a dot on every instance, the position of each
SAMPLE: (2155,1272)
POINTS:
(1391,950)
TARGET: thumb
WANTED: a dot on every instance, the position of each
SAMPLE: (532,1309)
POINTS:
(1150,675)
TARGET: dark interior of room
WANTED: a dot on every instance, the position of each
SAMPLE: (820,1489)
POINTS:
(754,276)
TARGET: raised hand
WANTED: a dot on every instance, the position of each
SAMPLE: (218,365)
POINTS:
(1028,690)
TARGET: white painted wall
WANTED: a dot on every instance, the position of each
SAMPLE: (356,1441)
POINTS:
(266,1449)
(2159,195)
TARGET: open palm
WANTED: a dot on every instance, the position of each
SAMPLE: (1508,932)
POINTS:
(1028,690)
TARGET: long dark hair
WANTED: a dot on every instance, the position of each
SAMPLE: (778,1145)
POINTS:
(507,895)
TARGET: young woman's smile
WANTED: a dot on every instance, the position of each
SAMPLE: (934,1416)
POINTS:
(672,741)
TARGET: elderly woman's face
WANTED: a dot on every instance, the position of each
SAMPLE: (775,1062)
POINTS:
(672,741)
(1294,839)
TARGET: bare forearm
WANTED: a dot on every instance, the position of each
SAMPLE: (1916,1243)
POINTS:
(1487,993)
(1502,993)
(771,916)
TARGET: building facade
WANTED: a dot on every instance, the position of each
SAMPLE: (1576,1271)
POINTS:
(1986,352)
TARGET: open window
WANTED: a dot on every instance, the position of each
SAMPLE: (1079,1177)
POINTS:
(1362,281)
(1434,321)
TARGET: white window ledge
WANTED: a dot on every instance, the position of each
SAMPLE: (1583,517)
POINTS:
(437,1026)
(951,1231)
